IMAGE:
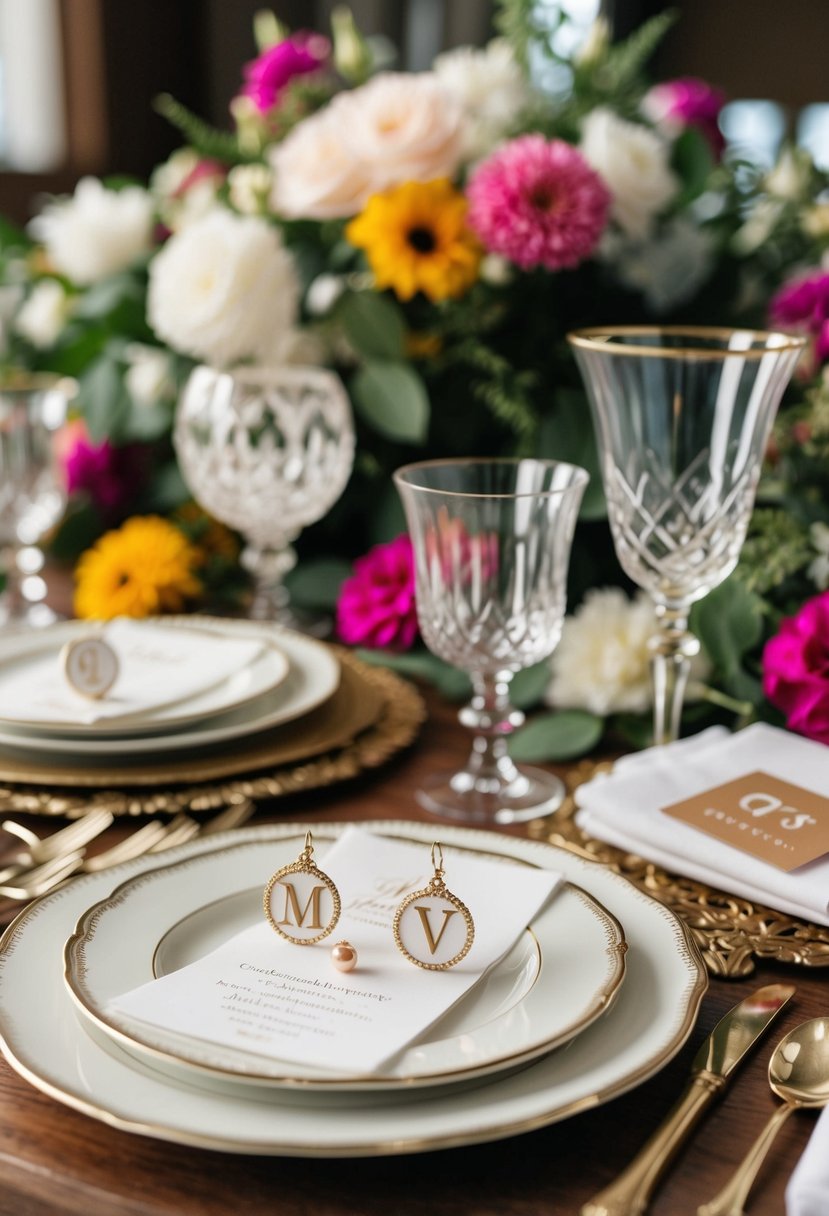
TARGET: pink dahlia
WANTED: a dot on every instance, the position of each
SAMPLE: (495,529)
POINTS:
(537,202)
(796,669)
(267,76)
(689,102)
(802,304)
(376,607)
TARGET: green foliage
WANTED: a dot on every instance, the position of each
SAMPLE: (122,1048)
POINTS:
(392,399)
(207,141)
(529,685)
(422,664)
(625,63)
(519,21)
(566,433)
(777,548)
(103,399)
(729,624)
(504,390)
(316,584)
(373,324)
(562,735)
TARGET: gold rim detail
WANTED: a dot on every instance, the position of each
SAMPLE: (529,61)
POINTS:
(600,339)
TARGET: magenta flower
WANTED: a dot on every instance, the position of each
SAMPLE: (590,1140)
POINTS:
(267,76)
(803,305)
(796,669)
(690,102)
(376,607)
(537,202)
(109,475)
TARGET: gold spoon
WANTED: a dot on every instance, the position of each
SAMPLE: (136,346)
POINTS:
(799,1074)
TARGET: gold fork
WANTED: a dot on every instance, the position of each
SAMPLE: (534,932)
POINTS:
(65,840)
(37,881)
(152,838)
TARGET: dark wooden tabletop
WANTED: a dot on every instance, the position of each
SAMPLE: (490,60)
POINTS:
(54,1160)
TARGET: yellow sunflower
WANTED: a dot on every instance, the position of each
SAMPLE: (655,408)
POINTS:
(416,239)
(144,567)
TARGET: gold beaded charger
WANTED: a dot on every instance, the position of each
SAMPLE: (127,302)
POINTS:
(731,932)
(372,715)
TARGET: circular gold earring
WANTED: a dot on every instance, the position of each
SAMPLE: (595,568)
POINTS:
(432,927)
(302,904)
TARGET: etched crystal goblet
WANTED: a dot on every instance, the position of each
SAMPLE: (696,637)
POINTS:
(682,418)
(33,412)
(266,451)
(491,541)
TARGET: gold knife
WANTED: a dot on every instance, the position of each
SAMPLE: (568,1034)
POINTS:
(726,1046)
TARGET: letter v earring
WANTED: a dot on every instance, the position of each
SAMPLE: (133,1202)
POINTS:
(302,904)
(432,928)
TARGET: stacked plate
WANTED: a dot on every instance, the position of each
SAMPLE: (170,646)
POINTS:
(282,677)
(603,969)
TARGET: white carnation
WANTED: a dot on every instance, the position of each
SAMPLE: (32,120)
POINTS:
(491,89)
(43,314)
(602,663)
(249,187)
(223,289)
(633,161)
(96,232)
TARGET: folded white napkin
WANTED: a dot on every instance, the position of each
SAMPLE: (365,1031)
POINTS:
(808,1191)
(159,666)
(625,809)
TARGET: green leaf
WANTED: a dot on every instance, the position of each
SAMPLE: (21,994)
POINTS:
(387,519)
(316,583)
(567,434)
(79,528)
(373,324)
(392,399)
(167,490)
(729,623)
(449,681)
(694,162)
(148,422)
(104,401)
(216,145)
(102,298)
(528,686)
(562,735)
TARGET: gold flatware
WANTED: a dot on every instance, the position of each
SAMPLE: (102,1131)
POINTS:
(726,1046)
(151,838)
(799,1074)
(66,840)
(37,880)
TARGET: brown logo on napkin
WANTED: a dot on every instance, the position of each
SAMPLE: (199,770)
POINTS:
(778,822)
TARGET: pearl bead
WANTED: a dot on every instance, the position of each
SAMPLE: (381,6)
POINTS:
(344,956)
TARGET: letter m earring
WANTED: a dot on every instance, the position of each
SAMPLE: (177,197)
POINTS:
(432,928)
(302,904)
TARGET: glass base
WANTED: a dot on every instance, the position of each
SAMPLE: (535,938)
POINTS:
(488,800)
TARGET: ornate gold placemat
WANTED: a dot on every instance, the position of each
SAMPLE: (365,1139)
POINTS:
(731,932)
(373,714)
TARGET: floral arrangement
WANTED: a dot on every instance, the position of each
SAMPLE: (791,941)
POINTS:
(433,236)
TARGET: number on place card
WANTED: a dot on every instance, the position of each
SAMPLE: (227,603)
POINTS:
(90,666)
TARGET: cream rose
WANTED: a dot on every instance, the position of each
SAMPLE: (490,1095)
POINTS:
(223,289)
(96,232)
(316,175)
(633,161)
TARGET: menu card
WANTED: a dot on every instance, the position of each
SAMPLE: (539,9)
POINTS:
(158,665)
(262,994)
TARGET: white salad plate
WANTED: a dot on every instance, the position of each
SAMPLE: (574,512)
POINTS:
(45,1041)
(564,971)
(312,677)
(262,675)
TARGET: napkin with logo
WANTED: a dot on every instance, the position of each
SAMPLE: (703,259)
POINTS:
(627,808)
(159,666)
(808,1191)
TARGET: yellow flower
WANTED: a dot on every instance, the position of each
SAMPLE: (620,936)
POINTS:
(144,567)
(416,239)
(209,537)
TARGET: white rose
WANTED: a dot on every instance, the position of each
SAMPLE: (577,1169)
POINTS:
(602,663)
(249,187)
(634,164)
(491,89)
(97,231)
(223,289)
(44,314)
(316,175)
(148,376)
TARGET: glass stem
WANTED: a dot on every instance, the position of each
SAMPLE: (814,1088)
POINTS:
(268,567)
(671,650)
(493,719)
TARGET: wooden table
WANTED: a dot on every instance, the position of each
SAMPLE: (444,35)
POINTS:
(53,1160)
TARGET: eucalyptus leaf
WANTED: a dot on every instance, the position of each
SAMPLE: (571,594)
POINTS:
(316,583)
(421,664)
(563,735)
(101,298)
(104,400)
(729,623)
(529,685)
(392,399)
(373,324)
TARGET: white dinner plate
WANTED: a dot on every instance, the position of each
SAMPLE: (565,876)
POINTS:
(313,676)
(563,972)
(262,675)
(651,1018)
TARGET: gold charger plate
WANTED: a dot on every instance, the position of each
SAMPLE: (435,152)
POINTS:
(731,932)
(372,715)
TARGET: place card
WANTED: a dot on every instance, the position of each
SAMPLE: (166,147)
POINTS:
(773,820)
(263,994)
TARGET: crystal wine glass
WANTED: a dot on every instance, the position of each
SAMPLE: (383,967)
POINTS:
(682,417)
(491,543)
(266,451)
(33,410)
